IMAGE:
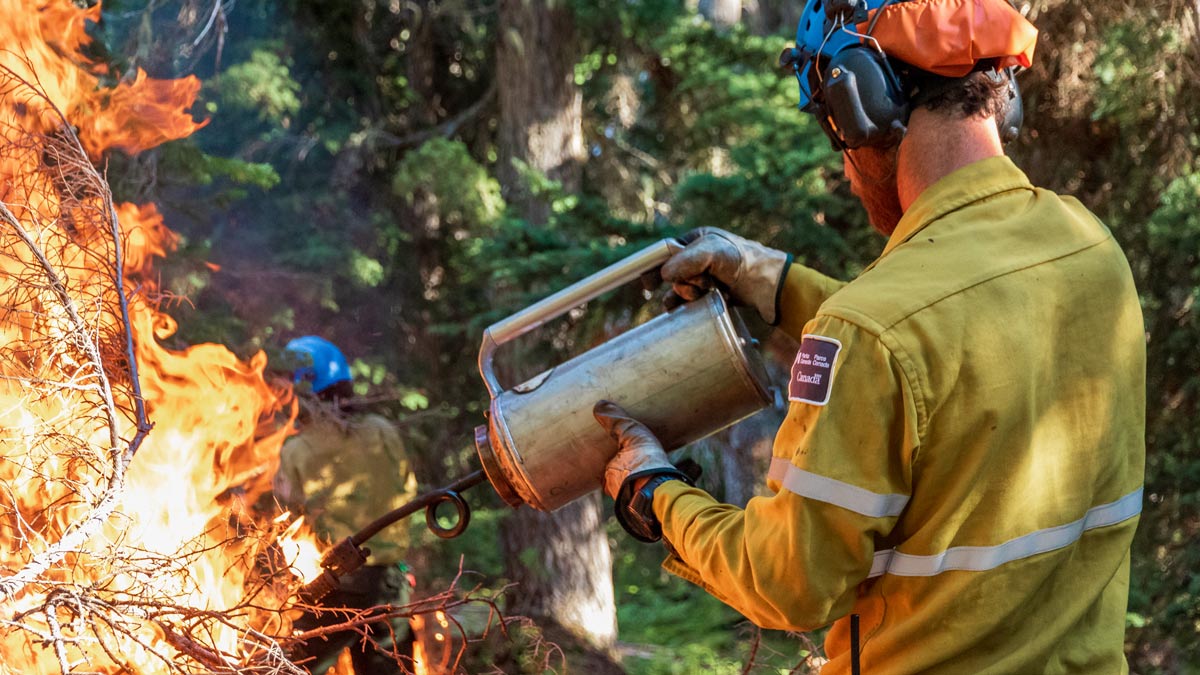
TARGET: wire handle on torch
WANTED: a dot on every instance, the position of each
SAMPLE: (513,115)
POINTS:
(349,555)
(429,501)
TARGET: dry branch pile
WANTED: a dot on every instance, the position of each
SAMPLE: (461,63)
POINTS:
(76,579)
(128,545)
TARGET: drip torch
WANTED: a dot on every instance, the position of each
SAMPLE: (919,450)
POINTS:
(686,374)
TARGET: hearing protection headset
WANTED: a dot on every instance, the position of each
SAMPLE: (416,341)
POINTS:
(859,94)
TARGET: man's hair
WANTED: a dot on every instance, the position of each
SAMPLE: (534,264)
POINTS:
(979,94)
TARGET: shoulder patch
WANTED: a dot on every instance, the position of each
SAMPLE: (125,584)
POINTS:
(812,371)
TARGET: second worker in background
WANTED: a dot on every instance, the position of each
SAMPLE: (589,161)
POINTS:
(342,469)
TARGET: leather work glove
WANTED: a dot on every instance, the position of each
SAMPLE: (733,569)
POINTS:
(751,273)
(638,450)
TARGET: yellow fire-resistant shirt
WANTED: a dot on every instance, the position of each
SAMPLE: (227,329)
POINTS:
(962,462)
(345,473)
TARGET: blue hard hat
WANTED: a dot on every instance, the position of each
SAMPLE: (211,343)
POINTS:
(328,365)
(854,93)
(821,36)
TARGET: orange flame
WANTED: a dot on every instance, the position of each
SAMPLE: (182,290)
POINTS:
(432,646)
(344,665)
(43,39)
(139,115)
(218,424)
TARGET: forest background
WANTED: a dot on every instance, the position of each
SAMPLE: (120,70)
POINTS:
(395,175)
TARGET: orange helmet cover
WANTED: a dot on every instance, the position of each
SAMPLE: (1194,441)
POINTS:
(948,37)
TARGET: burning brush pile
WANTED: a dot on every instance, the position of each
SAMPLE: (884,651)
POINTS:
(127,543)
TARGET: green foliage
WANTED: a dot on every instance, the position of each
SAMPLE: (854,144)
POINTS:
(186,161)
(755,164)
(1174,230)
(1168,596)
(466,195)
(1131,85)
(659,609)
(262,85)
(1144,102)
(313,191)
(364,270)
(638,22)
(674,627)
(479,550)
(688,659)
(729,81)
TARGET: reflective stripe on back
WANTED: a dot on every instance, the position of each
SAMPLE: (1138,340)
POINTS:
(981,558)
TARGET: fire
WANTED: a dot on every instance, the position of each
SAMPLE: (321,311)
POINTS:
(43,39)
(139,115)
(112,562)
(299,548)
(344,665)
(432,646)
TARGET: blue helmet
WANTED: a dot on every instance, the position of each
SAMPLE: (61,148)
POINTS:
(820,37)
(849,87)
(328,365)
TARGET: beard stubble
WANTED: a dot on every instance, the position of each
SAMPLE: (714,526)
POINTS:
(872,175)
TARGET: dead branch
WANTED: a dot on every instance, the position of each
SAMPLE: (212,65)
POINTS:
(82,338)
(76,593)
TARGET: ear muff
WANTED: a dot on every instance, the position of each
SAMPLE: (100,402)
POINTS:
(1013,115)
(864,100)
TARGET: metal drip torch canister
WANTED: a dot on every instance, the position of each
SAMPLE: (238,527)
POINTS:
(686,374)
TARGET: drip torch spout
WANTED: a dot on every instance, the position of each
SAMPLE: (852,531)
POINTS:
(349,554)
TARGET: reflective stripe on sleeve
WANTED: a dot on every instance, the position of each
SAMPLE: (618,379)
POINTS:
(830,491)
(981,558)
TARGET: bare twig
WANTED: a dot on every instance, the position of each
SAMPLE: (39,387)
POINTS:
(82,339)
(217,10)
(78,589)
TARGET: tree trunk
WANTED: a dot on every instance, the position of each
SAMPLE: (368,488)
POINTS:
(770,17)
(541,108)
(560,559)
(422,63)
(721,13)
(563,567)
(739,447)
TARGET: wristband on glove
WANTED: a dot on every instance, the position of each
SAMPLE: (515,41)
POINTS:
(780,283)
(634,509)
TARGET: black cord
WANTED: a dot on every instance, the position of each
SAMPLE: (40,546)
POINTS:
(878,13)
(855,668)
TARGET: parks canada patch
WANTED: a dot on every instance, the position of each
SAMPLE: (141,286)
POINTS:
(812,371)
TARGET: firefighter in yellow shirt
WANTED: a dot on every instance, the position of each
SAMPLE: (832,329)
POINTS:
(959,476)
(341,471)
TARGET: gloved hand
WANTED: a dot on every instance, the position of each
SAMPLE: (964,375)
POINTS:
(750,272)
(638,449)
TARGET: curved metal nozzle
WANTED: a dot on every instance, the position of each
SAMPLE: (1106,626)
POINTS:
(349,554)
